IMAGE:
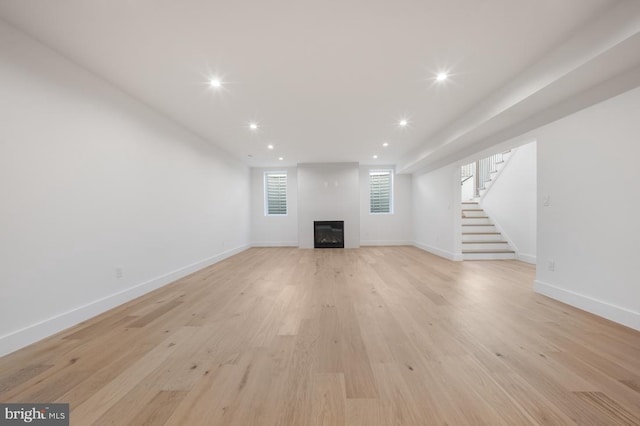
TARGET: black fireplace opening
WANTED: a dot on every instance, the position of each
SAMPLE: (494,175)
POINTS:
(328,234)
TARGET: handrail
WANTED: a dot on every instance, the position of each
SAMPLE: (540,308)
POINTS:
(465,179)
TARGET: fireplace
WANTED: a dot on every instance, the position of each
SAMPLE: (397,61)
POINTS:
(328,234)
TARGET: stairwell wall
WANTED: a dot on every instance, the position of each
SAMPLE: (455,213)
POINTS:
(437,211)
(511,201)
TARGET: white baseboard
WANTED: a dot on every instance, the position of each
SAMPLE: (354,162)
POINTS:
(527,258)
(439,252)
(18,339)
(385,243)
(274,244)
(606,310)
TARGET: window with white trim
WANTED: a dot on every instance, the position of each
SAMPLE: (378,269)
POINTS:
(275,193)
(381,191)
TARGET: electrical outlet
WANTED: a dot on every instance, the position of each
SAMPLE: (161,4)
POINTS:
(551,265)
(119,272)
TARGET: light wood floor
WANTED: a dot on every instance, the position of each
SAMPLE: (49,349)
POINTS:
(372,336)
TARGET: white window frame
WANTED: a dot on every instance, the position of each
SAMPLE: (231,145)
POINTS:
(391,189)
(266,194)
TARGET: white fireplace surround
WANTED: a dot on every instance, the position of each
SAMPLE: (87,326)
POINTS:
(329,192)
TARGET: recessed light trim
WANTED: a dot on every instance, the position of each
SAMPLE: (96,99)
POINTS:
(280,158)
(253,126)
(403,122)
(442,76)
(270,146)
(215,83)
(375,157)
(385,144)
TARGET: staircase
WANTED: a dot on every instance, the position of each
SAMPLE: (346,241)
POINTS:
(480,238)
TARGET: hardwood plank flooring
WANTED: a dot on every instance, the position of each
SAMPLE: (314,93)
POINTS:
(369,336)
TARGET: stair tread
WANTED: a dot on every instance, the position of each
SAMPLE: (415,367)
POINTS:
(485,242)
(480,233)
(483,251)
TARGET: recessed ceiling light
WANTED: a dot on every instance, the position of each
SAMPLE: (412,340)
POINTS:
(403,123)
(385,144)
(270,146)
(215,82)
(375,157)
(253,126)
(442,76)
(280,158)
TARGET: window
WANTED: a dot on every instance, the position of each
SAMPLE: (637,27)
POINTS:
(381,191)
(275,193)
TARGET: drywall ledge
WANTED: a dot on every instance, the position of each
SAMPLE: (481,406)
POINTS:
(43,329)
(438,252)
(597,307)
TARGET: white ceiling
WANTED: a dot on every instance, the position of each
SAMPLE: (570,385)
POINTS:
(328,81)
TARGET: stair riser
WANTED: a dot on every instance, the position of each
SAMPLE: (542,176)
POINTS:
(473,213)
(485,246)
(488,256)
(475,221)
(482,237)
(476,228)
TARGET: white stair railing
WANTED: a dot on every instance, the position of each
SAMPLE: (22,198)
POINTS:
(481,170)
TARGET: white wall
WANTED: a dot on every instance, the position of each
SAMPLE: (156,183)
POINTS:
(467,189)
(511,201)
(436,212)
(329,192)
(588,166)
(380,229)
(91,180)
(386,229)
(274,231)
